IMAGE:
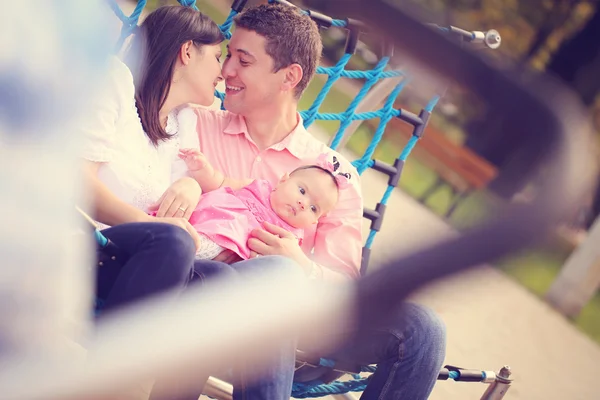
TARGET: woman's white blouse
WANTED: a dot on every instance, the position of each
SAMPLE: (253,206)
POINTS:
(131,166)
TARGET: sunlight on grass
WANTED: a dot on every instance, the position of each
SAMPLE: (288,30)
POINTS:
(589,319)
(537,269)
(534,269)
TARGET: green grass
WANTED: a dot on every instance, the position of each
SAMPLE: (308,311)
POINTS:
(589,319)
(537,269)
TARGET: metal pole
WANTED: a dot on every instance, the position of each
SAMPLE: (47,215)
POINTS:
(500,386)
(218,389)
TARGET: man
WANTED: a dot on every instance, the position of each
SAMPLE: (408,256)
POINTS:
(271,58)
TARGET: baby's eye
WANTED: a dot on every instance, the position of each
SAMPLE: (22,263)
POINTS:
(302,191)
(313,209)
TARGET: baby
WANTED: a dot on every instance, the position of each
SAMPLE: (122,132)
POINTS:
(230,209)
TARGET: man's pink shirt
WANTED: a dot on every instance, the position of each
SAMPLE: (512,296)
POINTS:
(334,243)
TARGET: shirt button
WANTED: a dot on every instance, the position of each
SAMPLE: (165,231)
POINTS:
(258,159)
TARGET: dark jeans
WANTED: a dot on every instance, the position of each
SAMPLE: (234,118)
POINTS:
(153,258)
(409,351)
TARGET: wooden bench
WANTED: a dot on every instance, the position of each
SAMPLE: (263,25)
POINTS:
(457,166)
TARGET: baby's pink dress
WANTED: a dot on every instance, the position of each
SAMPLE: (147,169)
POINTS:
(227,216)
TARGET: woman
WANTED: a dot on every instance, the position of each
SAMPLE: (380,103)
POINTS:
(131,144)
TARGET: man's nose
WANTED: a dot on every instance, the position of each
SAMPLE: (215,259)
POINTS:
(227,71)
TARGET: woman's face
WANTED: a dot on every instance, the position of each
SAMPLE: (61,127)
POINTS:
(201,75)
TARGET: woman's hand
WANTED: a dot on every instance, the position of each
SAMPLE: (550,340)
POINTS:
(183,224)
(179,200)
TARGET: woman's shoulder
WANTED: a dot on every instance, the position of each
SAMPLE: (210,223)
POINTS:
(119,75)
(118,67)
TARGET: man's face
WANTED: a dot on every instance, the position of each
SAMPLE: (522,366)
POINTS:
(250,81)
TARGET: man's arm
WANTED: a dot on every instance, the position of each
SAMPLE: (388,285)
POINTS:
(338,239)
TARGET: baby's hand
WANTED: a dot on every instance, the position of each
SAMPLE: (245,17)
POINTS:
(194,159)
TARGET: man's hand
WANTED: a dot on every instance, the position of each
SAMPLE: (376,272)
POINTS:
(194,159)
(180,199)
(276,241)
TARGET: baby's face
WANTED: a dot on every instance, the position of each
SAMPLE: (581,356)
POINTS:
(302,198)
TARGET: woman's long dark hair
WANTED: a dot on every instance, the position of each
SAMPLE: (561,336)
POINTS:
(153,55)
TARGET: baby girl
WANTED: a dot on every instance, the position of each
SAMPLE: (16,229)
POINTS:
(230,209)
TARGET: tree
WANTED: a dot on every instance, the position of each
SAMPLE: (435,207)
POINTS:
(577,61)
(558,15)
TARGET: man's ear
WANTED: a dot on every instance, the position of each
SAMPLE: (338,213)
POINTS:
(185,52)
(293,76)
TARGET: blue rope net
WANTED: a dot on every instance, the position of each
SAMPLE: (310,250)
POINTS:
(385,115)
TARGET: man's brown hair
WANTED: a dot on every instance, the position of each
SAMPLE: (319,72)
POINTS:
(292,37)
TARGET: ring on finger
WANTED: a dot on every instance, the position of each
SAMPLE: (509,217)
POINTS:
(182,209)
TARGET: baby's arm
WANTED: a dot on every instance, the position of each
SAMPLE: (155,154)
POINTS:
(205,174)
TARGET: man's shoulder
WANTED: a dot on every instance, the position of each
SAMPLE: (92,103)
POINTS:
(213,120)
(315,147)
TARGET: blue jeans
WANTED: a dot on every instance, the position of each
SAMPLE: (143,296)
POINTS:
(153,258)
(409,351)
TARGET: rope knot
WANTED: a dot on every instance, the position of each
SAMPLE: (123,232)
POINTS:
(188,3)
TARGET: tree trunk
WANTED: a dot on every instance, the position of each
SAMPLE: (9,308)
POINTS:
(557,18)
(579,278)
(577,61)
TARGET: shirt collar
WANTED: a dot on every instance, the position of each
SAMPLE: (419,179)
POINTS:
(296,142)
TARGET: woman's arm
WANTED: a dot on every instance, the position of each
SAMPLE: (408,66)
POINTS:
(110,210)
(106,206)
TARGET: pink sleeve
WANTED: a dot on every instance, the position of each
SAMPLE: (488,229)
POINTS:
(338,239)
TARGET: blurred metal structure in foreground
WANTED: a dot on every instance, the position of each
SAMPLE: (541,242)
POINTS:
(196,336)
